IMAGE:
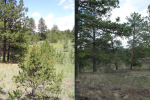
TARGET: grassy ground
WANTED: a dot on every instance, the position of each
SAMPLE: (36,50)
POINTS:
(9,70)
(119,85)
(68,68)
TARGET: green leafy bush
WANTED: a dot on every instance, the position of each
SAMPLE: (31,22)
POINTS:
(38,74)
(60,56)
(65,45)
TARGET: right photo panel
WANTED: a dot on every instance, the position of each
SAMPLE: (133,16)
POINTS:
(112,50)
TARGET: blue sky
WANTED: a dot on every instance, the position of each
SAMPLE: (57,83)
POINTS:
(59,12)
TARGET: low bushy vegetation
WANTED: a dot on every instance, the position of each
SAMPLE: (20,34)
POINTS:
(38,74)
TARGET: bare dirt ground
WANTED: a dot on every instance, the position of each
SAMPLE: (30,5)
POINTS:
(121,85)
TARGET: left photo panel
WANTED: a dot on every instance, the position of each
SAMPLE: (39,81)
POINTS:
(37,50)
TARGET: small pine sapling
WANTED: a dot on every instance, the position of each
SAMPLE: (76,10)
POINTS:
(38,73)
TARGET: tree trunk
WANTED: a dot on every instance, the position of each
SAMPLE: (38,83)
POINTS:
(94,60)
(8,52)
(116,63)
(4,49)
(76,37)
(94,64)
(132,51)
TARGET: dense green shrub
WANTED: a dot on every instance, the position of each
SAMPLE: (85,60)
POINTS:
(65,45)
(38,73)
(60,56)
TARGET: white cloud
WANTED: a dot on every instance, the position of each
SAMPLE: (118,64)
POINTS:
(66,22)
(122,12)
(69,6)
(36,14)
(123,41)
(61,1)
(71,0)
(127,7)
(144,12)
(36,23)
(49,21)
(63,23)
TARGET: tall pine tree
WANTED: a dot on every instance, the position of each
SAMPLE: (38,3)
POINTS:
(11,16)
(88,15)
(42,28)
(136,22)
(31,25)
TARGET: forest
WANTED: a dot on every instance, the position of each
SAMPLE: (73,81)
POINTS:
(34,65)
(105,68)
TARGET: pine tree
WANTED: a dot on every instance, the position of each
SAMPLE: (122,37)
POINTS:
(18,43)
(113,31)
(146,31)
(54,34)
(55,29)
(11,16)
(88,17)
(136,23)
(39,74)
(31,25)
(42,28)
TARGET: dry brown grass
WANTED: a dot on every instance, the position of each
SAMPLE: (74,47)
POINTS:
(130,85)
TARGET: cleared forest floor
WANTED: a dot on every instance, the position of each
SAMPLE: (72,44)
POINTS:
(119,85)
